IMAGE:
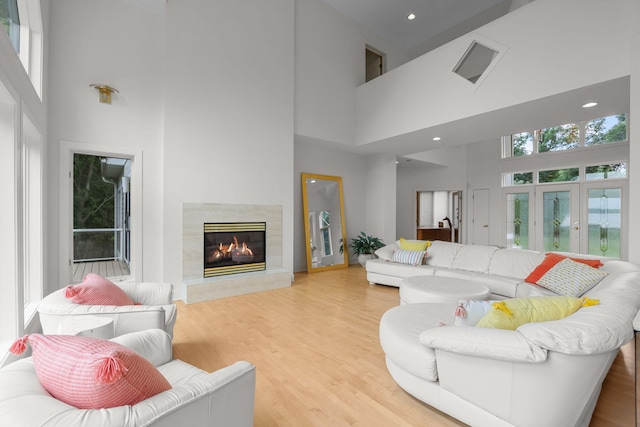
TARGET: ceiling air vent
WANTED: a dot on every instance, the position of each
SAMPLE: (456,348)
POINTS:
(475,61)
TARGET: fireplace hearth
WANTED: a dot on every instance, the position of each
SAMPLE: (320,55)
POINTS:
(231,248)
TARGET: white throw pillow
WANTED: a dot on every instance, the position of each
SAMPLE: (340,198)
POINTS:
(468,312)
(386,252)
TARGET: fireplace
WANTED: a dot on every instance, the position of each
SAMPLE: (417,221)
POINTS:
(231,248)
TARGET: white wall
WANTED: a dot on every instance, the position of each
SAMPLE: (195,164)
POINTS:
(228,130)
(330,64)
(320,159)
(425,92)
(381,192)
(115,43)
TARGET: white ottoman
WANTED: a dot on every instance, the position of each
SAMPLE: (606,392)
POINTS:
(437,289)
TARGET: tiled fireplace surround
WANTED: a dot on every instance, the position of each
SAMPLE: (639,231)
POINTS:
(199,289)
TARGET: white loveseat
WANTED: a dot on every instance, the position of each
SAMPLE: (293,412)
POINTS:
(197,398)
(155,309)
(542,374)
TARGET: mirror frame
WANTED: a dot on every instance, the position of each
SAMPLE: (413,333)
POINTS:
(307,233)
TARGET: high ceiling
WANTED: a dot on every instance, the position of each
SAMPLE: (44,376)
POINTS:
(436,21)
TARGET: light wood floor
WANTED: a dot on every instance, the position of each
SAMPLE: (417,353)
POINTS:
(319,361)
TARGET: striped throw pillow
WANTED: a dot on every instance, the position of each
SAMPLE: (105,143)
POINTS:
(406,256)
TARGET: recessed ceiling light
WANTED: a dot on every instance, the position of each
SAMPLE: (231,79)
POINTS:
(590,104)
(437,138)
(411,16)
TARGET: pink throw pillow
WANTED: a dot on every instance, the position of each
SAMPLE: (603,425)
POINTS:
(91,373)
(96,290)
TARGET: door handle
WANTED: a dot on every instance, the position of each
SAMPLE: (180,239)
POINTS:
(486,226)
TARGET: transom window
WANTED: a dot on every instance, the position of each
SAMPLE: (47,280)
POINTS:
(570,174)
(570,136)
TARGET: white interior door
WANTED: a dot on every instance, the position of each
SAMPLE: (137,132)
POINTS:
(558,208)
(481,216)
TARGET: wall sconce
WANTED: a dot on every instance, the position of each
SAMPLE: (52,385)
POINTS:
(105,92)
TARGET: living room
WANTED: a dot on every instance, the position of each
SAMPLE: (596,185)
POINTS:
(264,92)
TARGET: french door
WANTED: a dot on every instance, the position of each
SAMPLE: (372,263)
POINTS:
(576,217)
(558,217)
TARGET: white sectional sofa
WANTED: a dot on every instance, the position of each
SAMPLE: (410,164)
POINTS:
(501,270)
(541,374)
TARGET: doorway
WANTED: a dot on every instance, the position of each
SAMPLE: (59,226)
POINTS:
(374,65)
(558,208)
(581,218)
(439,215)
(101,216)
(108,236)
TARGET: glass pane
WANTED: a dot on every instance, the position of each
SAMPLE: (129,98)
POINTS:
(604,221)
(558,175)
(558,138)
(614,170)
(326,242)
(324,219)
(522,144)
(518,220)
(10,20)
(556,221)
(606,130)
(521,178)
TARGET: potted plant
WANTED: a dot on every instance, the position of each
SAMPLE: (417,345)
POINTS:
(364,246)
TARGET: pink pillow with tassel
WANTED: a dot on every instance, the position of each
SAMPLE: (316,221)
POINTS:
(90,373)
(96,290)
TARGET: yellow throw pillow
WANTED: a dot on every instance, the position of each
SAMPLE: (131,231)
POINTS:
(512,313)
(414,245)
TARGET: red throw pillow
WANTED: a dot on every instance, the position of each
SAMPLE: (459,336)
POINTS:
(96,290)
(90,373)
(550,260)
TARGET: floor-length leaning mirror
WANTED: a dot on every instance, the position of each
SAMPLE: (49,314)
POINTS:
(324,230)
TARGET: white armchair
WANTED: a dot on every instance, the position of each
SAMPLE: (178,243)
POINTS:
(156,309)
(197,398)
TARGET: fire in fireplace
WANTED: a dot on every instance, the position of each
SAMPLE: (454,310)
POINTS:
(231,248)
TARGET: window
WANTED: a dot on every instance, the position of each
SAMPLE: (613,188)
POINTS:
(22,21)
(522,144)
(571,136)
(558,175)
(613,170)
(517,178)
(604,221)
(558,138)
(32,214)
(10,20)
(325,233)
(606,130)
(11,304)
(518,220)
